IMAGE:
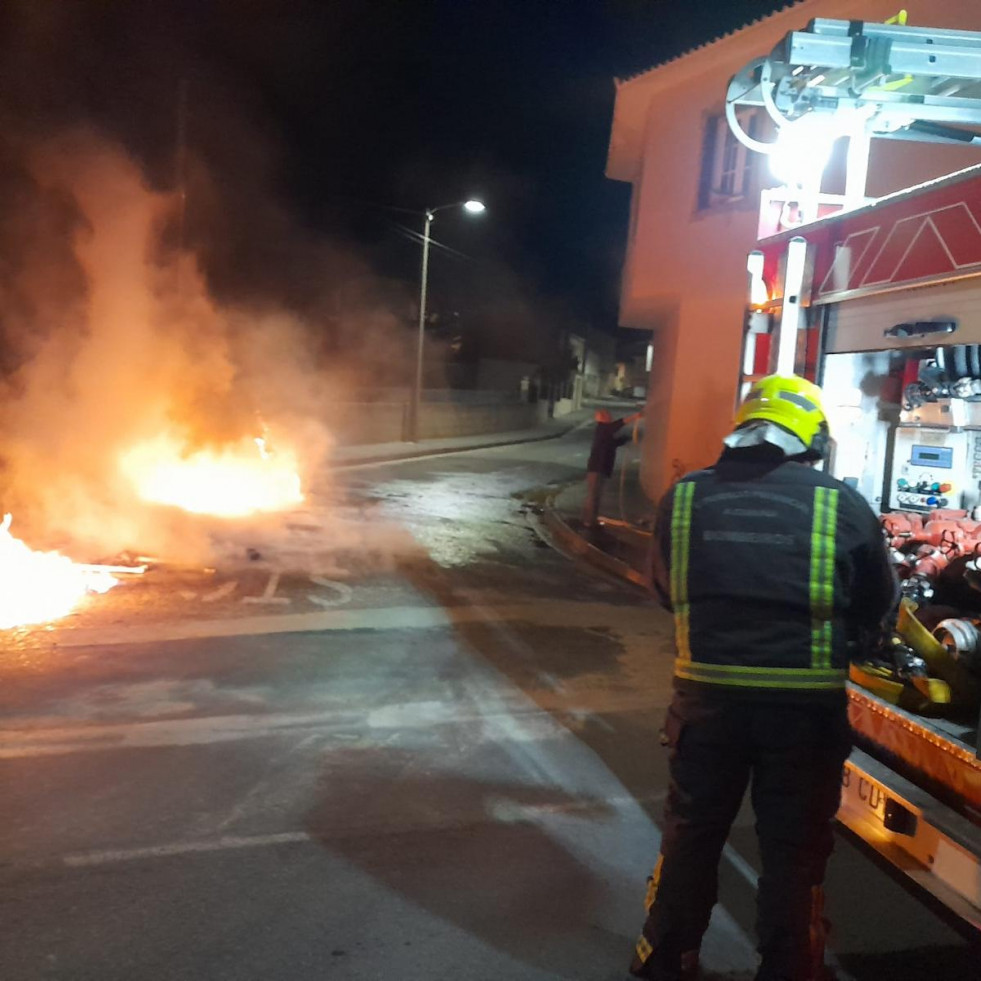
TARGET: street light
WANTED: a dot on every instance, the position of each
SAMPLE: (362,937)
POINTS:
(473,207)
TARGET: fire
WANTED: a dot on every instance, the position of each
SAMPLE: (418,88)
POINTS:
(233,481)
(39,586)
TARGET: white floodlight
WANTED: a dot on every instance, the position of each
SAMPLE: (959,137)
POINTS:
(473,206)
(803,148)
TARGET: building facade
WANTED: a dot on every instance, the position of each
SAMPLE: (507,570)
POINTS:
(694,214)
(595,353)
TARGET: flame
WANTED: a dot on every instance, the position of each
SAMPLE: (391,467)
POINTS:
(39,586)
(231,482)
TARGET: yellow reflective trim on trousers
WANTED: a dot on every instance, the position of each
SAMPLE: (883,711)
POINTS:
(680,541)
(653,884)
(824,528)
(742,676)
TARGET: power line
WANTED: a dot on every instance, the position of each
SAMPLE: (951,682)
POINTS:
(415,236)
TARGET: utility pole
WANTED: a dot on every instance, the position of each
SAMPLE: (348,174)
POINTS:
(420,345)
(180,177)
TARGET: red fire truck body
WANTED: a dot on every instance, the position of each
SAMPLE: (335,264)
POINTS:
(881,305)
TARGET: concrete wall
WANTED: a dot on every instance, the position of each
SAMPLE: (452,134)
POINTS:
(356,423)
(684,277)
(472,420)
(457,396)
(387,422)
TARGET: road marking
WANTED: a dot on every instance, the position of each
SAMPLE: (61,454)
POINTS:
(37,737)
(112,856)
(637,619)
(499,810)
(343,592)
(258,793)
(740,865)
(221,592)
(269,594)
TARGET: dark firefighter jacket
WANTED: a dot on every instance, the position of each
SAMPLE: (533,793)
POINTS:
(774,572)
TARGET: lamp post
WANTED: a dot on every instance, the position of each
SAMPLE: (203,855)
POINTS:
(475,208)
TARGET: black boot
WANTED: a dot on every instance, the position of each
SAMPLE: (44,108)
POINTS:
(687,969)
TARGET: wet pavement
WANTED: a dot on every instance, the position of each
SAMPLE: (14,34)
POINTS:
(403,737)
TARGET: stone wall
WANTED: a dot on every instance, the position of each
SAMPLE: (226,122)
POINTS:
(358,423)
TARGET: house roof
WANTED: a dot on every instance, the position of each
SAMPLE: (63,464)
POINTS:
(786,5)
(724,54)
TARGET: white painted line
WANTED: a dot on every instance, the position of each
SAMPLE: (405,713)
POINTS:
(740,865)
(115,855)
(556,613)
(499,810)
(37,737)
(950,255)
(397,618)
(221,592)
(343,592)
(269,593)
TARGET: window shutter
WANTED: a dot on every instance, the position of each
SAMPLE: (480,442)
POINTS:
(709,145)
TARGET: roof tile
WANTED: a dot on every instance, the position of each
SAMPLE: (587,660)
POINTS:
(786,5)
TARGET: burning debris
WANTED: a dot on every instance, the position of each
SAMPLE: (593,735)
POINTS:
(143,416)
(230,481)
(133,415)
(36,587)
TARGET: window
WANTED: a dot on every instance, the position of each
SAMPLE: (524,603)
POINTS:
(727,166)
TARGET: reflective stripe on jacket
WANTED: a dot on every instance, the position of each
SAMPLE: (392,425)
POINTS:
(773,570)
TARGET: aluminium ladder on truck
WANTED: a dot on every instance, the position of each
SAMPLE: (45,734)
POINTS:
(862,81)
(902,82)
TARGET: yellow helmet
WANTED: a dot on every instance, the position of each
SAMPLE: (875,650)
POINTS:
(794,404)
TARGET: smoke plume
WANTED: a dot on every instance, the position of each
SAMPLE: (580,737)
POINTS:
(115,343)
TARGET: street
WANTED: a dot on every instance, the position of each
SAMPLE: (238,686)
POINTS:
(398,736)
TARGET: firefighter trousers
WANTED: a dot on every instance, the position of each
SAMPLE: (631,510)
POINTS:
(594,497)
(791,756)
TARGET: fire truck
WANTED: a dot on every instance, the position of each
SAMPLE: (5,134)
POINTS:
(879,302)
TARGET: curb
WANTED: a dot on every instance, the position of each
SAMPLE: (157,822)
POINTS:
(573,542)
(445,451)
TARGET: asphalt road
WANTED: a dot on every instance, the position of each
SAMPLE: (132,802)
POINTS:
(393,736)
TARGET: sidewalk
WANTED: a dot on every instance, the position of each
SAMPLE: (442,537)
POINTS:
(342,457)
(620,544)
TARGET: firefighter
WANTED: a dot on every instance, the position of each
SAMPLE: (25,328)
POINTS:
(602,459)
(774,571)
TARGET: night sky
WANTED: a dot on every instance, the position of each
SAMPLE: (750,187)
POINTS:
(315,117)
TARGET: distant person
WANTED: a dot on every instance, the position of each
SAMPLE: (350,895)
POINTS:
(602,458)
